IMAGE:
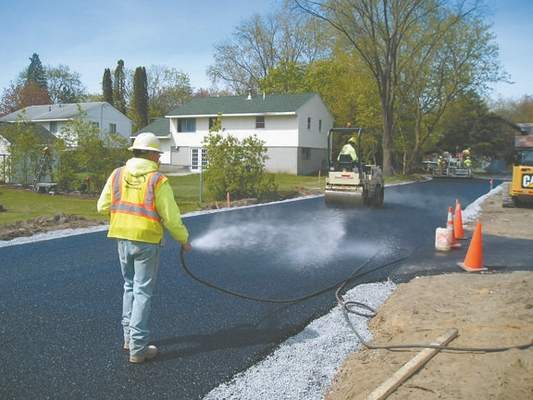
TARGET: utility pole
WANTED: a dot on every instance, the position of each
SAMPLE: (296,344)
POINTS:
(201,182)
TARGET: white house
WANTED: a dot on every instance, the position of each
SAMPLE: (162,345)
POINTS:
(40,134)
(294,128)
(54,117)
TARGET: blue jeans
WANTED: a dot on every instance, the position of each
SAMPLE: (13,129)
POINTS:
(139,263)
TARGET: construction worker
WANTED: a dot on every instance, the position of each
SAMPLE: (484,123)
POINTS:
(140,202)
(349,149)
(468,162)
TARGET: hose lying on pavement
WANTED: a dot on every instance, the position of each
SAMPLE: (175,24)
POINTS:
(344,282)
(352,307)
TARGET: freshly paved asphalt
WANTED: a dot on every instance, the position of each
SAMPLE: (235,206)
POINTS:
(61,299)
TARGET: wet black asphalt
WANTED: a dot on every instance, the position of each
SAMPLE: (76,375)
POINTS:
(61,299)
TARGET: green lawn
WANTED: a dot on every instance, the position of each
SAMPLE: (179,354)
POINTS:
(404,178)
(24,204)
(187,188)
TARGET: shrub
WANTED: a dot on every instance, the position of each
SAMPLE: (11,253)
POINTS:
(87,157)
(237,167)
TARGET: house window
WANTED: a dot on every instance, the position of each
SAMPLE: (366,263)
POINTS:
(259,122)
(320,125)
(112,128)
(187,125)
(308,122)
(53,126)
(212,121)
(95,124)
(306,153)
(194,159)
(198,157)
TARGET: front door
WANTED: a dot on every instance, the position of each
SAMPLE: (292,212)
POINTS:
(198,158)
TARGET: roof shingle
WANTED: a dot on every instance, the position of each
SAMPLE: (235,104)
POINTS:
(51,111)
(159,127)
(241,105)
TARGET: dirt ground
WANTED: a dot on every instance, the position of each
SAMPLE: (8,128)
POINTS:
(489,310)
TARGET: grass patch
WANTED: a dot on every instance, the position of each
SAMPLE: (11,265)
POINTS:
(404,178)
(187,188)
(23,204)
(292,183)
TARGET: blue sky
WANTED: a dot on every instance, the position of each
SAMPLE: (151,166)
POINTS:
(91,36)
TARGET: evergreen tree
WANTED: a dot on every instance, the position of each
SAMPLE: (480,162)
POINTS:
(36,73)
(107,86)
(140,98)
(119,87)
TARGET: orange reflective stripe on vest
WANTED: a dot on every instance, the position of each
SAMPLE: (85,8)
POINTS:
(146,209)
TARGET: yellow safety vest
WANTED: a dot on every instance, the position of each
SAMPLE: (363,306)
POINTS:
(348,149)
(133,213)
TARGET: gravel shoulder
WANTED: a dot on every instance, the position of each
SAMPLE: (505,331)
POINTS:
(489,310)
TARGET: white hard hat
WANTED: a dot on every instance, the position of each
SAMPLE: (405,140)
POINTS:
(146,141)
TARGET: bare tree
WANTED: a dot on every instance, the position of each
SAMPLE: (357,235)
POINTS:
(64,85)
(167,89)
(261,43)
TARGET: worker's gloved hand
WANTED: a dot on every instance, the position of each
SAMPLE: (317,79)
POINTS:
(186,247)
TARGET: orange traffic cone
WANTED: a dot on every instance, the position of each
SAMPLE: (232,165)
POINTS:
(454,244)
(458,222)
(474,256)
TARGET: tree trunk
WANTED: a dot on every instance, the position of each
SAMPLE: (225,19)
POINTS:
(387,107)
(387,138)
(418,134)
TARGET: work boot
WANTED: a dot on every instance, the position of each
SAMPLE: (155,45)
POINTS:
(149,353)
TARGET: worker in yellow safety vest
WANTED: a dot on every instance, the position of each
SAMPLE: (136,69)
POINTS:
(140,203)
(349,149)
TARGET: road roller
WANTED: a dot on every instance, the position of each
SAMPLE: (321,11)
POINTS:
(350,182)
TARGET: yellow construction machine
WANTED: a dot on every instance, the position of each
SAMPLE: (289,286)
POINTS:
(521,187)
(349,181)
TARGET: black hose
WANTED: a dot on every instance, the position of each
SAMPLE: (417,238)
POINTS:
(350,307)
(345,281)
(353,307)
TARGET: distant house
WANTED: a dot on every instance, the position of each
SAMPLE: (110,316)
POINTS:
(54,117)
(294,128)
(41,135)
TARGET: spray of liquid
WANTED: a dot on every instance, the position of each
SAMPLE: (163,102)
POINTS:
(309,241)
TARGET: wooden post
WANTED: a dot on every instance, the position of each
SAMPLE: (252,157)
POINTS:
(228,201)
(390,385)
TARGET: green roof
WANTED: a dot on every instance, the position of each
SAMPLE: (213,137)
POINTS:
(159,127)
(242,105)
(43,135)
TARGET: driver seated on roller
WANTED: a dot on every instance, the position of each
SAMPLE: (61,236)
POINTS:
(348,150)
